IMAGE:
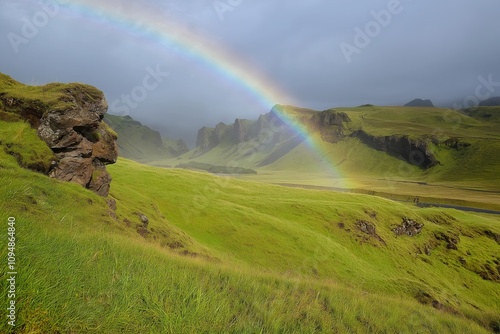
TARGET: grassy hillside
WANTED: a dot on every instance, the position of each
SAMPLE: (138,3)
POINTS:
(477,138)
(221,255)
(140,143)
(465,143)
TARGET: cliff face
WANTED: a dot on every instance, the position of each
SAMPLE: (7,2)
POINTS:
(330,123)
(243,130)
(206,139)
(415,152)
(69,119)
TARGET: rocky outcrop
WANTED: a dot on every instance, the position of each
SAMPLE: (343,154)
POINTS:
(408,227)
(238,132)
(205,139)
(330,117)
(82,143)
(68,118)
(271,128)
(415,151)
(419,103)
(241,131)
(369,230)
(221,131)
(330,123)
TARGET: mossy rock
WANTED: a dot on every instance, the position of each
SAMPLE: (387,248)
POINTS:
(33,102)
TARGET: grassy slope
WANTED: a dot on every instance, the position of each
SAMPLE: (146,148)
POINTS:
(228,256)
(476,163)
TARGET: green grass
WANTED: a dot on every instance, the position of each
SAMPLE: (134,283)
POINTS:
(27,100)
(222,255)
(21,142)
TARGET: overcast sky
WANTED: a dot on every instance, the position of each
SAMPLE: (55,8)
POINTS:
(322,53)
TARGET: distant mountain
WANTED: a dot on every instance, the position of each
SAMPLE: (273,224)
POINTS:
(268,136)
(140,143)
(491,102)
(365,140)
(240,131)
(419,103)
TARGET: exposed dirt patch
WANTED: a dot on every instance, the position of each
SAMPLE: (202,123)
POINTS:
(495,326)
(428,247)
(370,230)
(142,229)
(175,245)
(456,144)
(408,227)
(490,272)
(492,235)
(144,232)
(372,214)
(452,240)
(111,204)
(427,299)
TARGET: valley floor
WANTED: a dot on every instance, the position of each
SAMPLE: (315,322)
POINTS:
(479,195)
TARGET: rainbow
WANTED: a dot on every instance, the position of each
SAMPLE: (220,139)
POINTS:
(126,15)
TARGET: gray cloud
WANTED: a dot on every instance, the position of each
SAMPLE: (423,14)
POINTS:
(430,49)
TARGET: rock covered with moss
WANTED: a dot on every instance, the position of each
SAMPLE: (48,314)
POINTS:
(68,117)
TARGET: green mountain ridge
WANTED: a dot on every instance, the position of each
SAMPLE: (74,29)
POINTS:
(140,143)
(432,141)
